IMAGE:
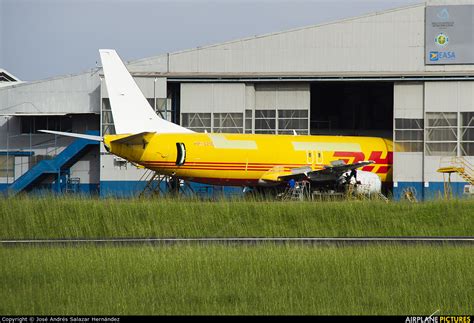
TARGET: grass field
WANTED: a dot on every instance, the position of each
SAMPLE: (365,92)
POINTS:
(265,279)
(213,279)
(93,218)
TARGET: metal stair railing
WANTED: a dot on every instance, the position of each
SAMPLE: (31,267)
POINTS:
(152,186)
(296,193)
(459,165)
(466,169)
(63,161)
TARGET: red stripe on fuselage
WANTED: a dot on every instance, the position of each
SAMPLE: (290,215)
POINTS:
(224,181)
(224,164)
(347,156)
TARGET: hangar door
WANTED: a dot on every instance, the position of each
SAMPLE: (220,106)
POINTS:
(213,107)
(352,108)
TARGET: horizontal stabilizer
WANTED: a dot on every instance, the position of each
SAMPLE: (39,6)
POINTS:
(75,135)
(138,139)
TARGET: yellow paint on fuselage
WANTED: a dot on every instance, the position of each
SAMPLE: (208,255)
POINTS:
(242,159)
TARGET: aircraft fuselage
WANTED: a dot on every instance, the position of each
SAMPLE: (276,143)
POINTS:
(244,159)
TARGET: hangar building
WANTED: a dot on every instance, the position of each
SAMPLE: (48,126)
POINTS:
(406,74)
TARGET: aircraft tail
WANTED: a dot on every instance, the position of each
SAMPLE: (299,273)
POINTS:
(131,111)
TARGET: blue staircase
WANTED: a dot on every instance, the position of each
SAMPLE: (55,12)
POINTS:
(53,167)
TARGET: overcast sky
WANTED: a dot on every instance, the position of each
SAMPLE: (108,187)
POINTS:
(45,38)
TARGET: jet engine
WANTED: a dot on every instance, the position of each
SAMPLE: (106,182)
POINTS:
(364,182)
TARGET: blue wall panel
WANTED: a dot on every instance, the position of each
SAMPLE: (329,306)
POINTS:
(134,188)
(121,188)
(416,187)
(435,190)
(81,189)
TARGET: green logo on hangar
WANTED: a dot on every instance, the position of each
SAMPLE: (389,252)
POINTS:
(441,40)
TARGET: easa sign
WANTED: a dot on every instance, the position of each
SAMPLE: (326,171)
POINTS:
(440,56)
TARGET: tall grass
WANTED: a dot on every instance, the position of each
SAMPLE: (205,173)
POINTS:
(94,218)
(264,279)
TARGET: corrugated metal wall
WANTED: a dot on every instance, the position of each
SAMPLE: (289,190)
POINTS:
(288,96)
(390,41)
(71,94)
(213,97)
(236,97)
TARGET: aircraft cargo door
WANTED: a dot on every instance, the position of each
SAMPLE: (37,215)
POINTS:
(181,154)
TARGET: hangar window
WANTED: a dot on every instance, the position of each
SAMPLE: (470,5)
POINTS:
(198,122)
(441,133)
(467,133)
(248,121)
(108,127)
(228,122)
(265,121)
(32,124)
(162,108)
(7,166)
(151,102)
(289,120)
(409,135)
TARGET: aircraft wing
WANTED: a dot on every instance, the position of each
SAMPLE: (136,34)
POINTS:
(328,173)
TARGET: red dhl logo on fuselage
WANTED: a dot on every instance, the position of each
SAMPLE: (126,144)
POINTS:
(376,156)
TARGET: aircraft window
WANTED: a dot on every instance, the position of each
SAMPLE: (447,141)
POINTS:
(181,156)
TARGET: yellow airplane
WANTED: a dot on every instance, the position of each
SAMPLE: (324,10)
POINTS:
(249,160)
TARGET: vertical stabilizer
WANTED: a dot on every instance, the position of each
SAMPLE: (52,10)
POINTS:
(131,111)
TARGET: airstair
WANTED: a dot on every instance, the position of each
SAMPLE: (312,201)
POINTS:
(458,165)
(298,192)
(55,167)
(153,183)
(158,184)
